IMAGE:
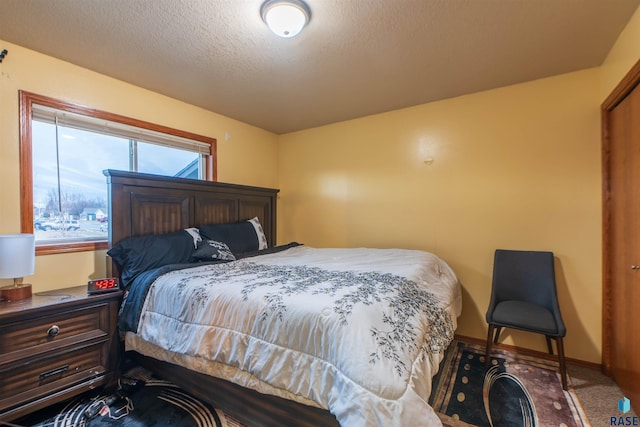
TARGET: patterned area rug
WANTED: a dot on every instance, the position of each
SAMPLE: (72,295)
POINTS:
(515,391)
(142,401)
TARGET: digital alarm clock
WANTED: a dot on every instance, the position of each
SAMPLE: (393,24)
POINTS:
(98,286)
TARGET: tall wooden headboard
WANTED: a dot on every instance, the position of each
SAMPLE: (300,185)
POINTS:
(141,204)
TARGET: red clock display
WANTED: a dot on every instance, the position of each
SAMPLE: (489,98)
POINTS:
(107,284)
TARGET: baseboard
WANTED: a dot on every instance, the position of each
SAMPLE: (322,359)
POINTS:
(534,353)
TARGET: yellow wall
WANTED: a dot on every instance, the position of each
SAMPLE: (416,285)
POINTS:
(622,57)
(249,157)
(517,167)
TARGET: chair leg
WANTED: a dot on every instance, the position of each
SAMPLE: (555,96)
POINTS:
(487,357)
(563,366)
(498,330)
(549,346)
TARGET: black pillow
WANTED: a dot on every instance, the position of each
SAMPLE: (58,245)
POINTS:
(240,237)
(135,255)
(211,250)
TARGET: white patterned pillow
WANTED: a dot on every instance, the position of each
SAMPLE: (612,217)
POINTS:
(262,239)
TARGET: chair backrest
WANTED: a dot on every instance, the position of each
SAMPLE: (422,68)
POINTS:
(525,276)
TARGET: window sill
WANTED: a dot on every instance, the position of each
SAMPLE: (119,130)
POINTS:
(58,248)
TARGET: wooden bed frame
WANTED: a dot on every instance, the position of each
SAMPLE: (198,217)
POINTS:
(141,204)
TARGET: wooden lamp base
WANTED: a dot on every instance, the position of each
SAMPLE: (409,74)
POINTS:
(15,292)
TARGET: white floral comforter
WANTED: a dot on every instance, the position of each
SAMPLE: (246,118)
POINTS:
(359,332)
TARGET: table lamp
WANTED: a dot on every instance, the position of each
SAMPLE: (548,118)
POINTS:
(17,259)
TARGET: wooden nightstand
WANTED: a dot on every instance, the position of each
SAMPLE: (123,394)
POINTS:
(54,346)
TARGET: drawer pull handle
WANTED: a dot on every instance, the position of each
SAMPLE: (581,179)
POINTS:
(53,372)
(53,331)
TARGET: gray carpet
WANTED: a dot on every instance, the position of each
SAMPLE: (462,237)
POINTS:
(598,395)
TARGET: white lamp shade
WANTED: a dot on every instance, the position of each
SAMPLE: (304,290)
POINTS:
(17,255)
(286,18)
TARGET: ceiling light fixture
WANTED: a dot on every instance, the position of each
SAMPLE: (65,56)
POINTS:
(286,18)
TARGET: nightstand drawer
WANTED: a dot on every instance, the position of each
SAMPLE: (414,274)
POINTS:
(54,346)
(49,374)
(26,338)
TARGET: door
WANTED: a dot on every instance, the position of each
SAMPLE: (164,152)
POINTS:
(621,169)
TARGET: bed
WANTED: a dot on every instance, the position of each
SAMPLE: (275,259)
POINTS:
(274,335)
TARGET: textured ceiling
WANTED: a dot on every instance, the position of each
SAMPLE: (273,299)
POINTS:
(356,57)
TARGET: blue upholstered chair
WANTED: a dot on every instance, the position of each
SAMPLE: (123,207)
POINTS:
(523,296)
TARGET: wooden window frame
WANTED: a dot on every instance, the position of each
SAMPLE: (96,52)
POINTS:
(27,100)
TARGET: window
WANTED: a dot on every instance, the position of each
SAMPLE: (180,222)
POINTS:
(63,150)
